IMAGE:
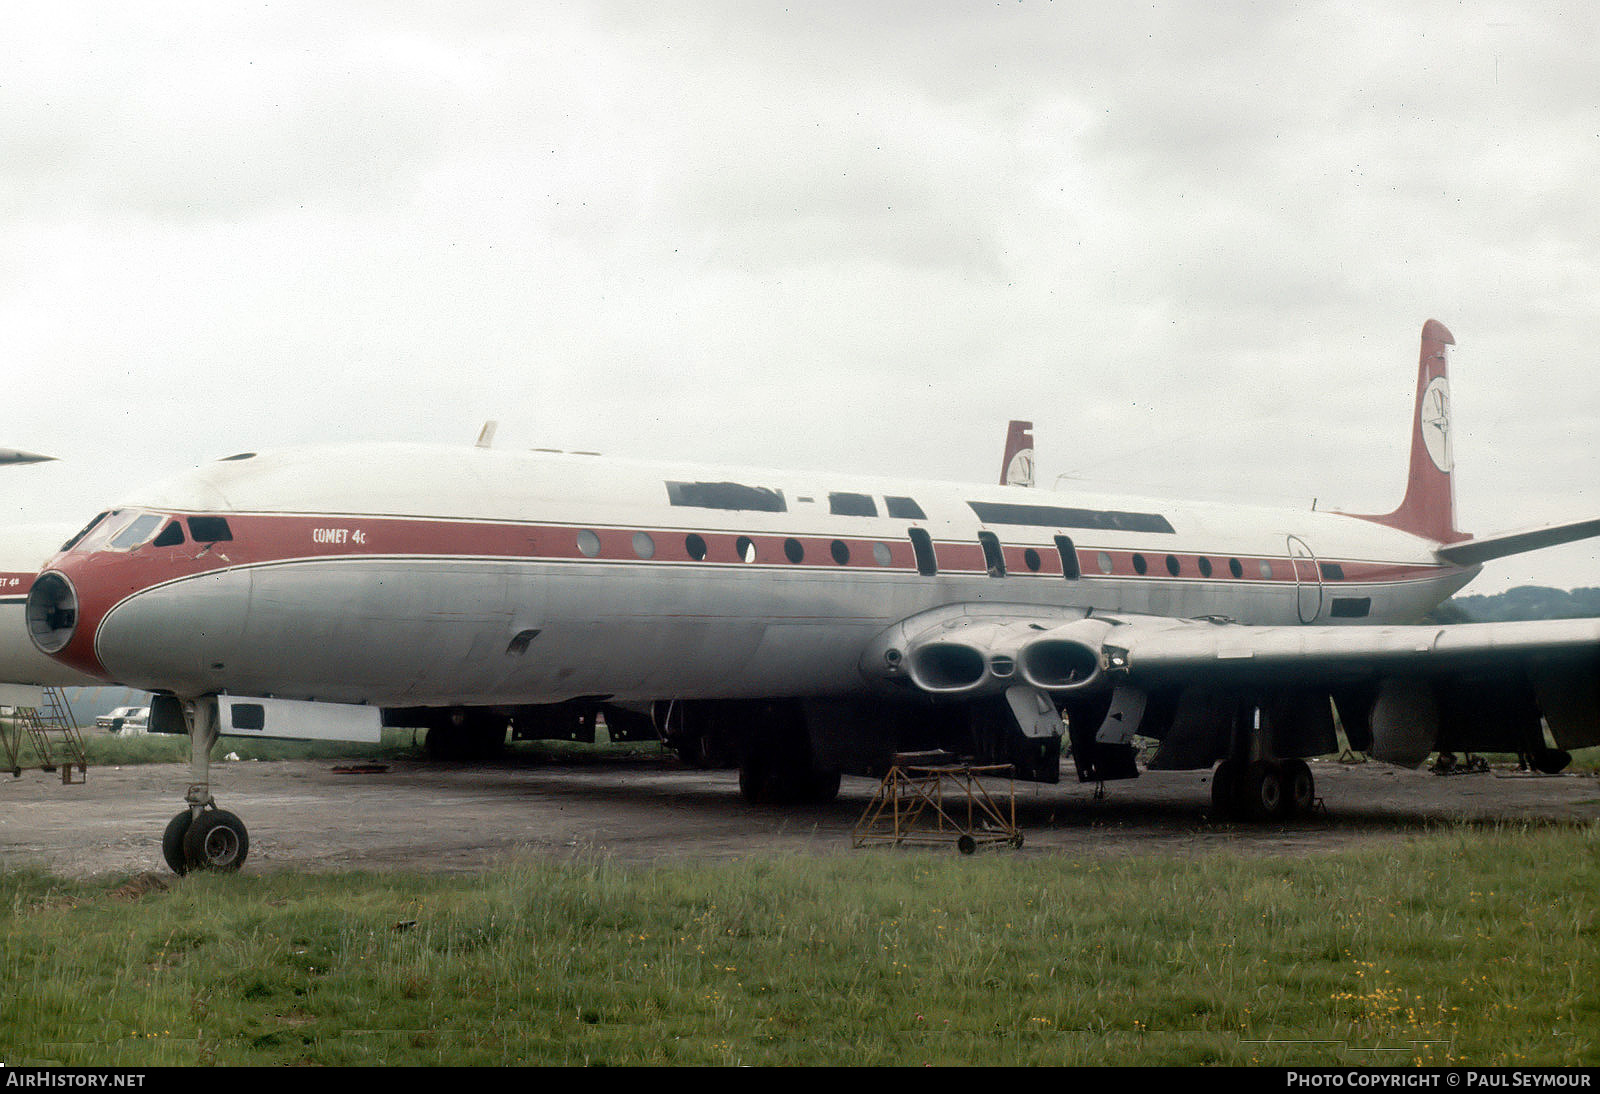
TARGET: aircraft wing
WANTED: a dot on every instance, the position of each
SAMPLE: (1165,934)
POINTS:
(1399,692)
(14,455)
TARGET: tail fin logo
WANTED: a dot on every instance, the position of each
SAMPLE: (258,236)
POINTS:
(1434,421)
(1020,471)
(1016,466)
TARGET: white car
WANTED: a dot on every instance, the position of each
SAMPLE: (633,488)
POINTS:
(125,720)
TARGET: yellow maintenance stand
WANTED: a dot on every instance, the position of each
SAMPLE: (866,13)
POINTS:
(933,798)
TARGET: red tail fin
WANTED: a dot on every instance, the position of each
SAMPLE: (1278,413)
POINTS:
(1016,468)
(1429,508)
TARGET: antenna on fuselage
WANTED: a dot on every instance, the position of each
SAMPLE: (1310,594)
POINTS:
(486,435)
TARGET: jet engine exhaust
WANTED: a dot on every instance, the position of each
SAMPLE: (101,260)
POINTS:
(948,667)
(1060,664)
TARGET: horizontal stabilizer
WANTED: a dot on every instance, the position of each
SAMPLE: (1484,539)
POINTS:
(1473,551)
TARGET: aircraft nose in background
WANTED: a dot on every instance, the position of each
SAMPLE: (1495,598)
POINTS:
(52,612)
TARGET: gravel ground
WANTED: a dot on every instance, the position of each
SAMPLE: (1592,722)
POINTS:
(313,815)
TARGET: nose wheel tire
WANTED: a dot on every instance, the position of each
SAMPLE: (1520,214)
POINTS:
(216,840)
(172,843)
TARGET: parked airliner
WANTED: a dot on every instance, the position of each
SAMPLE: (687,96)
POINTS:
(804,625)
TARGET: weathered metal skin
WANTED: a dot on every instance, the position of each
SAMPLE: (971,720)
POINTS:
(371,602)
(416,578)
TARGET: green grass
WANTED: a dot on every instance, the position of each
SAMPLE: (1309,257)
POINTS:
(1468,946)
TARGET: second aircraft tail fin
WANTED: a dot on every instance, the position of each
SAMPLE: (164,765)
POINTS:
(1016,467)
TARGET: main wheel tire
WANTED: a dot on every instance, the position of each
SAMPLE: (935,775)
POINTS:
(172,842)
(756,781)
(1551,761)
(1261,791)
(823,787)
(216,840)
(1225,790)
(1299,788)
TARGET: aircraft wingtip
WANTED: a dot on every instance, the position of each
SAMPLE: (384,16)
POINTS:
(12,455)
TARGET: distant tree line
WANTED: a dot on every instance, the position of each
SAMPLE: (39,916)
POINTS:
(1523,602)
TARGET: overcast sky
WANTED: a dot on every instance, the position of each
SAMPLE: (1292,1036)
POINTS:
(1194,243)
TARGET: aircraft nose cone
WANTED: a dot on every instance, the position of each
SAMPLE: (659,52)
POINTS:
(52,612)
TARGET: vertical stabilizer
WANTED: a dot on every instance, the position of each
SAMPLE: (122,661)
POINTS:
(1016,468)
(1429,508)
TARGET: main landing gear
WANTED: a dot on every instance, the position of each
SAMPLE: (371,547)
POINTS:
(203,837)
(1262,790)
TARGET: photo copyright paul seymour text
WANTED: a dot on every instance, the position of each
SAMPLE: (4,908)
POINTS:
(1470,1080)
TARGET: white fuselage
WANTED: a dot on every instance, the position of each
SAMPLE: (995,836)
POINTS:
(408,575)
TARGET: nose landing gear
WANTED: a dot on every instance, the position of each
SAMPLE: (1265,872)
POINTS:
(203,837)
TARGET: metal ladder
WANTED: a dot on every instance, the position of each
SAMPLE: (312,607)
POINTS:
(53,734)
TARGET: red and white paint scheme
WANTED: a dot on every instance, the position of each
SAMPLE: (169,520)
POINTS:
(1016,465)
(24,549)
(803,625)
(24,670)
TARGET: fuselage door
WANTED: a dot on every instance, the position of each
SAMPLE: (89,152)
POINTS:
(1307,580)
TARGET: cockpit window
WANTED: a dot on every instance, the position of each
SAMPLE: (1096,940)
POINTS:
(87,528)
(209,529)
(170,536)
(101,532)
(141,528)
